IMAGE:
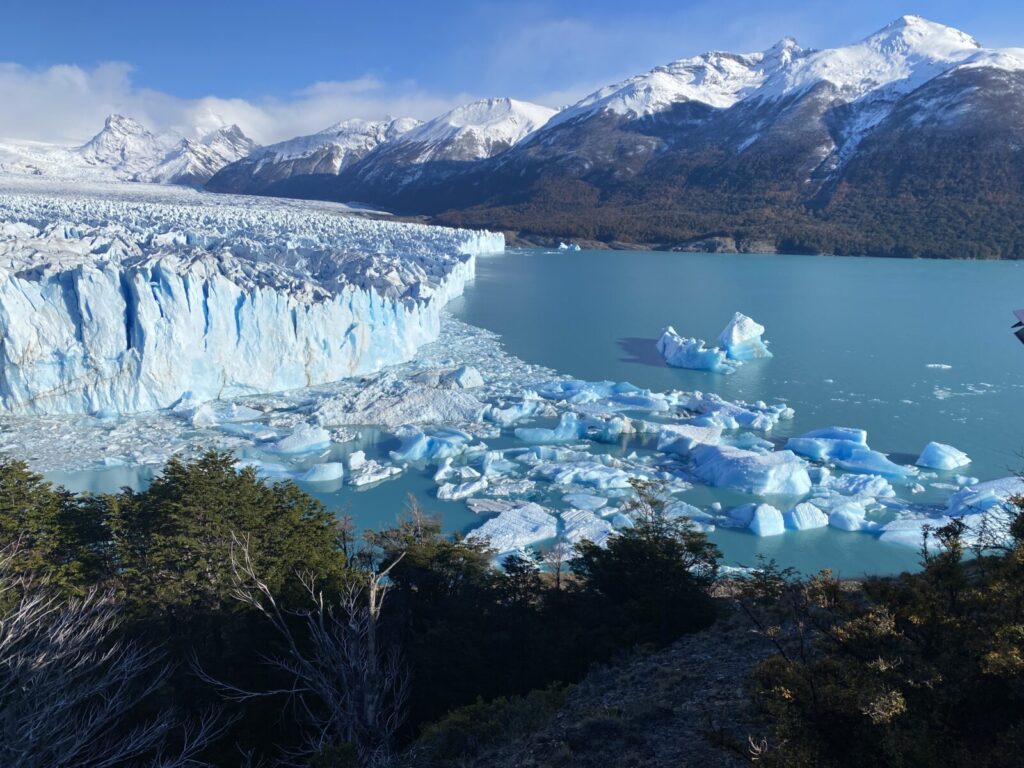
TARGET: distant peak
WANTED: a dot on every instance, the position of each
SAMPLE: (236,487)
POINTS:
(116,122)
(922,30)
(785,44)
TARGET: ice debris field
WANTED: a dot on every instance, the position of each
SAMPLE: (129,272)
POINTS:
(315,346)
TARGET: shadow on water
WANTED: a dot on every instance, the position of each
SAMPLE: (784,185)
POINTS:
(641,351)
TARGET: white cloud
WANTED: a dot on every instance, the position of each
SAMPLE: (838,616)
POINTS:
(68,103)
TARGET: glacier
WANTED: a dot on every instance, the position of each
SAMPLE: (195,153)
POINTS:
(120,306)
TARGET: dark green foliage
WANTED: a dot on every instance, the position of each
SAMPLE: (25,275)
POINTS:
(651,582)
(921,670)
(468,632)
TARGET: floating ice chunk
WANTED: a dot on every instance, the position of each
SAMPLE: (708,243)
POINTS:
(517,525)
(356,460)
(233,412)
(804,516)
(766,521)
(323,473)
(847,449)
(581,525)
(691,353)
(587,501)
(511,414)
(592,474)
(674,509)
(750,442)
(778,473)
(859,486)
(741,339)
(740,517)
(848,517)
(305,438)
(609,430)
(506,486)
(569,430)
(942,456)
(418,446)
(464,377)
(909,531)
(452,491)
(620,521)
(568,247)
(713,410)
(259,433)
(370,471)
(984,497)
(682,438)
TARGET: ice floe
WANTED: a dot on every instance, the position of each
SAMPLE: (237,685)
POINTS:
(942,456)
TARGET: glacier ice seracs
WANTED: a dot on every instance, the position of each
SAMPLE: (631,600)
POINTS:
(111,305)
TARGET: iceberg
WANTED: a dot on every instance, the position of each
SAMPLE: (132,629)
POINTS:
(741,339)
(779,473)
(942,456)
(766,521)
(848,517)
(580,525)
(682,438)
(569,430)
(517,525)
(116,305)
(991,496)
(418,446)
(452,491)
(323,473)
(847,448)
(804,516)
(691,353)
(305,438)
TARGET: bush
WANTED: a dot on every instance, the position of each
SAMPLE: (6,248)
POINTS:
(921,670)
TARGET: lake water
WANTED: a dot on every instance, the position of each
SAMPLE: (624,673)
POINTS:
(911,351)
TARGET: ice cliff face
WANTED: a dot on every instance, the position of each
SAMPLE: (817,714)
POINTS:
(125,306)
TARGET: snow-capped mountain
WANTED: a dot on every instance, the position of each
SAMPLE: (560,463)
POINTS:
(907,142)
(124,150)
(473,131)
(194,161)
(389,154)
(124,146)
(326,152)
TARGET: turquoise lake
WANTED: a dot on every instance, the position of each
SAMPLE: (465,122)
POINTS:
(910,350)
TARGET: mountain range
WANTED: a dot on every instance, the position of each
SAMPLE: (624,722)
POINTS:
(906,143)
(124,150)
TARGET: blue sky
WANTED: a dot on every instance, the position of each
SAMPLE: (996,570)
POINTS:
(285,66)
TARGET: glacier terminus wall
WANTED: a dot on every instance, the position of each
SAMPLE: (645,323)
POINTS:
(119,303)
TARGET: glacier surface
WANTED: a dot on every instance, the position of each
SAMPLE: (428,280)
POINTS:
(120,306)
